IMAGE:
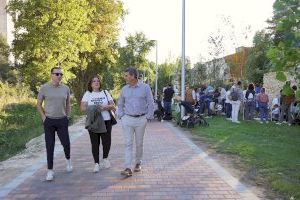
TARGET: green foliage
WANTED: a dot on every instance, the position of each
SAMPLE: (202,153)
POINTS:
(280,76)
(102,60)
(78,35)
(257,63)
(285,53)
(134,54)
(166,73)
(6,71)
(200,72)
(19,119)
(272,151)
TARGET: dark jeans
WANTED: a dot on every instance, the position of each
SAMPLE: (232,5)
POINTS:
(207,103)
(106,142)
(263,111)
(285,111)
(167,106)
(249,110)
(61,127)
(223,105)
(228,109)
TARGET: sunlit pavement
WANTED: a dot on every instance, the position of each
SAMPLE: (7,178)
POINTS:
(173,168)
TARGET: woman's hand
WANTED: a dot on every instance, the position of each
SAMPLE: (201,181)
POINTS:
(104,107)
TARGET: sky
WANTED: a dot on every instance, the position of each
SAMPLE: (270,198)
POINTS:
(161,20)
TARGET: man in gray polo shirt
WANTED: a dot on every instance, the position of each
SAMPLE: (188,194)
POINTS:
(135,106)
(56,98)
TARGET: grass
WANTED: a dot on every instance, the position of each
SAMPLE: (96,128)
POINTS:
(272,150)
(19,123)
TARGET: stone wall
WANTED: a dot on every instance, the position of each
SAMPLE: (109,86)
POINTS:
(273,86)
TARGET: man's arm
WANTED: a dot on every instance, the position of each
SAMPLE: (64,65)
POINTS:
(68,106)
(39,106)
(150,103)
(121,102)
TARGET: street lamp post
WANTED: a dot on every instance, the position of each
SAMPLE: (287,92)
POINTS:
(156,70)
(183,59)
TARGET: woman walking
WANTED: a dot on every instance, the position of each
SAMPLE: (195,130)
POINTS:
(101,100)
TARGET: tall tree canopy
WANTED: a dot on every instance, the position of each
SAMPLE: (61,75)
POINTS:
(257,63)
(70,33)
(285,53)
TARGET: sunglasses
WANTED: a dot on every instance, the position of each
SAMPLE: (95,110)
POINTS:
(57,74)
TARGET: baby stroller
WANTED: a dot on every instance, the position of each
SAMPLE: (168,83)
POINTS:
(158,110)
(193,116)
(295,112)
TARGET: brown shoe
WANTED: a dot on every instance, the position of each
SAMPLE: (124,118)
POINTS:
(126,172)
(138,167)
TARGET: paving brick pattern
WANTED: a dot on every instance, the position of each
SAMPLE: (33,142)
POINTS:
(171,170)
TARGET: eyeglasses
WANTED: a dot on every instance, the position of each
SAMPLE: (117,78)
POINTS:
(96,81)
(57,74)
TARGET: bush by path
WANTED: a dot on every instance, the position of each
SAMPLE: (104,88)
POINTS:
(19,119)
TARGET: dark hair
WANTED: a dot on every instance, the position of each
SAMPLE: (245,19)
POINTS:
(294,87)
(251,86)
(239,83)
(53,68)
(89,86)
(263,89)
(132,71)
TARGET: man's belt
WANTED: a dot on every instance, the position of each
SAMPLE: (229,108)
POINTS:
(136,115)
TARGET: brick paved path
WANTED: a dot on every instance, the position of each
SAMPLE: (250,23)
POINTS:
(173,168)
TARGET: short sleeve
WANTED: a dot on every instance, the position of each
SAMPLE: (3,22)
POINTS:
(41,95)
(85,97)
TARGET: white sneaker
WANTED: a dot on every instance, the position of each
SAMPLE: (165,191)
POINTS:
(267,122)
(69,166)
(50,175)
(261,122)
(278,123)
(105,164)
(96,168)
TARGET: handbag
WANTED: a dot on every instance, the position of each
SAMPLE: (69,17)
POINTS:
(113,120)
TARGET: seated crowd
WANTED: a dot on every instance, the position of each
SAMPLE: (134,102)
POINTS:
(252,103)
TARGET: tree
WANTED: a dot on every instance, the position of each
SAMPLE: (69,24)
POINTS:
(7,72)
(200,74)
(166,73)
(285,51)
(257,63)
(134,54)
(4,52)
(216,51)
(49,33)
(78,35)
(102,60)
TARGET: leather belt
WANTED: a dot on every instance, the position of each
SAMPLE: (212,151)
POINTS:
(137,115)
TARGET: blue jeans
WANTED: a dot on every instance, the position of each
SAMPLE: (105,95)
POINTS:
(249,110)
(167,106)
(263,111)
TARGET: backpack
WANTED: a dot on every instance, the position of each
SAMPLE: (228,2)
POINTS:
(234,94)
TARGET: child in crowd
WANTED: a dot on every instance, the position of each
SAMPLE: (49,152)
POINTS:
(275,112)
